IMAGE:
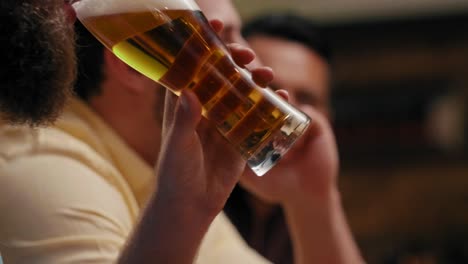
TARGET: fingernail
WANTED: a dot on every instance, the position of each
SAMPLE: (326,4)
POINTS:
(184,103)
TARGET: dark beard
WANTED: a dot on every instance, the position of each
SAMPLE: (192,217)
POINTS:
(38,60)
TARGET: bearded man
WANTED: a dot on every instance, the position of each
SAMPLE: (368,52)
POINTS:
(37,52)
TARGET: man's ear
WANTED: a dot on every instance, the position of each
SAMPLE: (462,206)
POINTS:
(120,72)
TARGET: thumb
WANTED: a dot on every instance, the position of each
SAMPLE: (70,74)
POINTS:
(186,118)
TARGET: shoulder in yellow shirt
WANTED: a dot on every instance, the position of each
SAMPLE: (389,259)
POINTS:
(71,194)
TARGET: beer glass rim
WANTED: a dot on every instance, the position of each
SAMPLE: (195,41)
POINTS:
(106,7)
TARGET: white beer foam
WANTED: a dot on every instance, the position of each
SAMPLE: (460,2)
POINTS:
(88,8)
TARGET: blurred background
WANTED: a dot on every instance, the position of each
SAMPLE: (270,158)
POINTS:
(400,116)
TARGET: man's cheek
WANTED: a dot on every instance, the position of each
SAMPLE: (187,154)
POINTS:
(69,12)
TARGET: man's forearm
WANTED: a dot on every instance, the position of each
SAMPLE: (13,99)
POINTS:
(320,232)
(167,233)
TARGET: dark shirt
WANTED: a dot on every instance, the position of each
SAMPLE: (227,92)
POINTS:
(270,237)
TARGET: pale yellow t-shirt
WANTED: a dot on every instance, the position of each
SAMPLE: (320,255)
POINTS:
(72,193)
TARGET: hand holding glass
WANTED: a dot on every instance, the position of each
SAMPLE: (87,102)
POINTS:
(171,42)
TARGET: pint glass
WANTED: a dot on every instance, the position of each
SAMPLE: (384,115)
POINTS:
(171,42)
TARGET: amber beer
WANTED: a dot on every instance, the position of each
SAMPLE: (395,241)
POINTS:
(177,48)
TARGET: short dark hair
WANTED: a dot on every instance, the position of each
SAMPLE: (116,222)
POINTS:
(90,58)
(290,27)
